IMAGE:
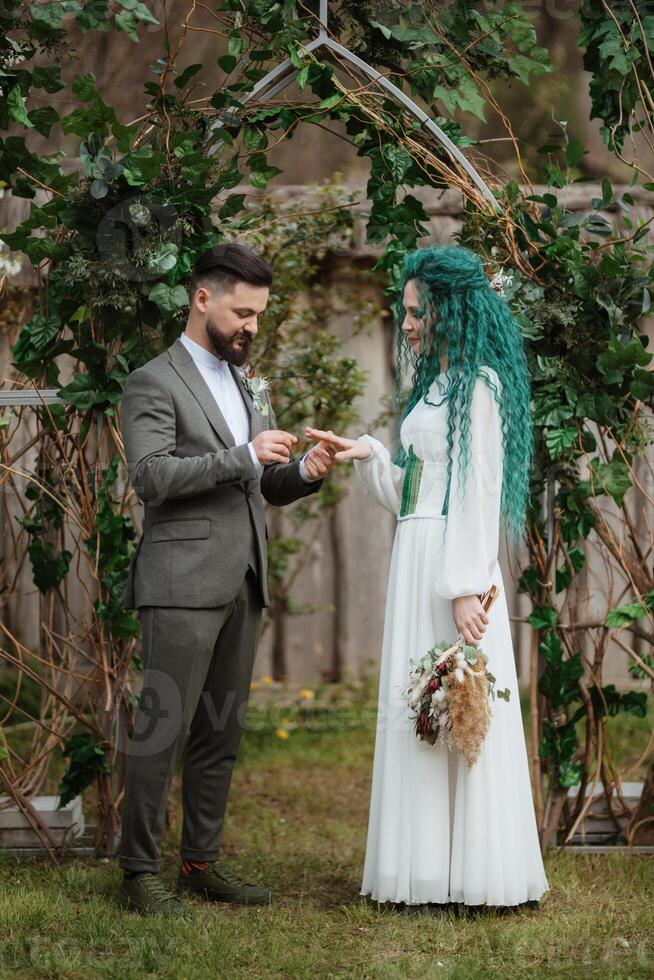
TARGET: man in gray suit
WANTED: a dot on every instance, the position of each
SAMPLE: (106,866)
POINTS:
(203,455)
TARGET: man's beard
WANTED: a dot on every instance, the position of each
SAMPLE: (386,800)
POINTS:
(229,349)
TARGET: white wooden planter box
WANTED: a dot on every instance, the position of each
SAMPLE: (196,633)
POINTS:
(64,824)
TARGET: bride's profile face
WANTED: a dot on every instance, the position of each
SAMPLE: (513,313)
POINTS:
(413,327)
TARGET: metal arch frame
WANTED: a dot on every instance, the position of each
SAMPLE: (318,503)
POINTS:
(29,396)
(289,73)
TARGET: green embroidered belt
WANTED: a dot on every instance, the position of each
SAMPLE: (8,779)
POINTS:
(411,485)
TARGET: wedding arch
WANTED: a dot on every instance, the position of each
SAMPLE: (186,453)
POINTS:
(161,174)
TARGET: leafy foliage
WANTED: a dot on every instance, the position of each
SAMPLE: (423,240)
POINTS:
(86,761)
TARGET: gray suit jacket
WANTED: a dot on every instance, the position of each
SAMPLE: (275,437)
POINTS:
(202,497)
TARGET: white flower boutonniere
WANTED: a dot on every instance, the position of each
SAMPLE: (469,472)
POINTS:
(257,387)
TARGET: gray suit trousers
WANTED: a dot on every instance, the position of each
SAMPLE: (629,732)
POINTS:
(197,671)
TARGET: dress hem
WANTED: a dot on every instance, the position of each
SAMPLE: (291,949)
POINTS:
(458,901)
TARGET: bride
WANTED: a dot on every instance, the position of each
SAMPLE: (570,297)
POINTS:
(438,832)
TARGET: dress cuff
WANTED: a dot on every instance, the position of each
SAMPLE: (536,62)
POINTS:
(373,443)
(255,459)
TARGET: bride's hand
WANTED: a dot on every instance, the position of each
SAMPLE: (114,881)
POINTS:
(469,618)
(346,448)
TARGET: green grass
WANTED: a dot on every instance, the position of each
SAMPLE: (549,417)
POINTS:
(297,822)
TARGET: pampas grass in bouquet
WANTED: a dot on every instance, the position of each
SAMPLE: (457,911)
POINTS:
(449,693)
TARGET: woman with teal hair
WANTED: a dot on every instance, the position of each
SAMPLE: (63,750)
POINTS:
(438,831)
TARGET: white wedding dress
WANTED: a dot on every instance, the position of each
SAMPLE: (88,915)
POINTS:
(437,832)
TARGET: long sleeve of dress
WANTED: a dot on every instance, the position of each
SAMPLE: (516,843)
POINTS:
(380,475)
(470,552)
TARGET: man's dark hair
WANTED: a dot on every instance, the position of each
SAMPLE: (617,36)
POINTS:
(222,266)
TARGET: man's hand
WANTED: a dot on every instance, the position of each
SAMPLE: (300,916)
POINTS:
(273,446)
(469,618)
(319,461)
(347,448)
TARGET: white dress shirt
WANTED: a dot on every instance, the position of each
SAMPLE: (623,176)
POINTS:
(226,392)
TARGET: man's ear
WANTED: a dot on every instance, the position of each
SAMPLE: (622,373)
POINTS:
(200,299)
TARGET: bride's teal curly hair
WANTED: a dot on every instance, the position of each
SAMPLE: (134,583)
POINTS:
(473,324)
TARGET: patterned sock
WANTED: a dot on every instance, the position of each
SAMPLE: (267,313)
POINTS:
(193,867)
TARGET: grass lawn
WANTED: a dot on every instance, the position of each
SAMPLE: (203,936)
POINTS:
(297,822)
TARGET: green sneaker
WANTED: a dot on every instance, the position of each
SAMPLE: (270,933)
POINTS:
(148,894)
(222,885)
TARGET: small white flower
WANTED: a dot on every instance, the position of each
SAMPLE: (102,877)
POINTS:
(499,281)
(458,673)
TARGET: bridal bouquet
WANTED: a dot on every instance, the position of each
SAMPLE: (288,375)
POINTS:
(448,693)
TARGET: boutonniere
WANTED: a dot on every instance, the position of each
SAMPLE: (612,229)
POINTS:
(256,387)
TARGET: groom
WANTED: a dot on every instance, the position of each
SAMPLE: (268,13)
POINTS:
(203,455)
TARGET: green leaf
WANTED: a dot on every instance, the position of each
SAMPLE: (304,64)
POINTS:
(99,189)
(228,63)
(80,392)
(84,86)
(48,77)
(168,298)
(49,567)
(43,119)
(543,617)
(613,478)
(17,108)
(571,220)
(331,101)
(554,175)
(254,138)
(232,206)
(164,259)
(139,10)
(559,680)
(236,44)
(398,161)
(607,192)
(626,614)
(610,701)
(574,151)
(619,358)
(642,384)
(386,31)
(50,13)
(87,760)
(302,77)
(260,178)
(558,440)
(42,331)
(186,75)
